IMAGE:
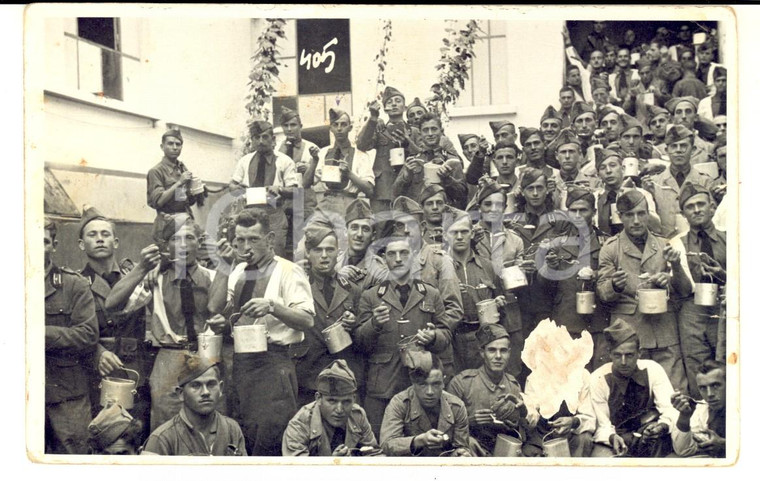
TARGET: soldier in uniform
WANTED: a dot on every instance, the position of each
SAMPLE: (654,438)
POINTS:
(550,123)
(169,182)
(301,151)
(336,299)
(384,137)
(567,150)
(491,395)
(469,144)
(266,167)
(357,178)
(535,155)
(657,121)
(431,265)
(703,257)
(177,304)
(503,131)
(71,334)
(635,258)
(583,118)
(358,263)
(478,282)
(334,424)
(567,256)
(434,203)
(683,111)
(666,186)
(423,419)
(500,165)
(122,335)
(412,178)
(402,308)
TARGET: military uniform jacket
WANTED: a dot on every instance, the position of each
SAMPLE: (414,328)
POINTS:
(120,332)
(373,267)
(305,434)
(477,391)
(374,137)
(311,355)
(411,184)
(405,418)
(433,266)
(666,196)
(619,251)
(386,375)
(564,288)
(71,333)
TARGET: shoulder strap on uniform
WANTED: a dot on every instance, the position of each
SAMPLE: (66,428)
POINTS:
(383,288)
(420,286)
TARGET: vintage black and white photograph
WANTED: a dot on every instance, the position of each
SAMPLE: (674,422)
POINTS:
(502,233)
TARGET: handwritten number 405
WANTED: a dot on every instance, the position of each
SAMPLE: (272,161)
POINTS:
(316,59)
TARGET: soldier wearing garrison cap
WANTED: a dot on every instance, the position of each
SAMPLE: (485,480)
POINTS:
(336,300)
(358,263)
(383,137)
(567,150)
(469,144)
(198,429)
(267,167)
(115,432)
(414,112)
(550,123)
(301,151)
(635,259)
(168,182)
(355,176)
(609,120)
(683,111)
(178,303)
(609,168)
(122,334)
(536,154)
(402,308)
(491,393)
(631,140)
(665,186)
(434,204)
(71,334)
(334,424)
(631,399)
(423,419)
(503,131)
(705,263)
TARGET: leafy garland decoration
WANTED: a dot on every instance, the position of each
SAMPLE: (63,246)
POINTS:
(453,66)
(261,85)
(381,63)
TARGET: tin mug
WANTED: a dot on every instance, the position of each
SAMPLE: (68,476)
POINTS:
(488,312)
(336,338)
(397,157)
(630,167)
(705,294)
(652,301)
(585,302)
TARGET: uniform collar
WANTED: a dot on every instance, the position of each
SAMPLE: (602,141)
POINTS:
(711,233)
(503,384)
(214,426)
(639,377)
(193,273)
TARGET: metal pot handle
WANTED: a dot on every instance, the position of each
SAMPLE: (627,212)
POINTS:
(127,370)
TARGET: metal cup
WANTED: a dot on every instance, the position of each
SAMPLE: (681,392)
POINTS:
(488,312)
(630,167)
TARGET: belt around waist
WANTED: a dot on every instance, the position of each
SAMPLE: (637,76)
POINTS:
(270,348)
(341,193)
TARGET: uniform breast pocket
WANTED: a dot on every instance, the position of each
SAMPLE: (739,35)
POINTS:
(427,307)
(57,314)
(298,350)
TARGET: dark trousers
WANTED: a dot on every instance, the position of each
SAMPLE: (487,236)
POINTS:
(267,390)
(375,409)
(698,332)
(66,426)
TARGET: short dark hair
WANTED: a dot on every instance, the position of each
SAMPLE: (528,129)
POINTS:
(620,49)
(573,67)
(689,65)
(419,375)
(507,145)
(51,227)
(428,116)
(251,217)
(566,89)
(712,365)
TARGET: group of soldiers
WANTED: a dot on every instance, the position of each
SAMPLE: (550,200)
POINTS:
(436,268)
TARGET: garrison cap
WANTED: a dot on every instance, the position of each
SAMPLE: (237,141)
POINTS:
(335,114)
(429,191)
(497,125)
(579,193)
(172,132)
(550,113)
(606,154)
(528,132)
(598,83)
(643,62)
(673,103)
(463,138)
(655,111)
(357,209)
(609,109)
(488,333)
(689,190)
(174,222)
(286,115)
(89,214)
(566,136)
(193,367)
(389,93)
(315,233)
(258,127)
(719,72)
(337,379)
(580,108)
(676,133)
(108,425)
(530,175)
(629,200)
(51,226)
(488,188)
(618,333)
(415,103)
(627,123)
(405,206)
(706,128)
